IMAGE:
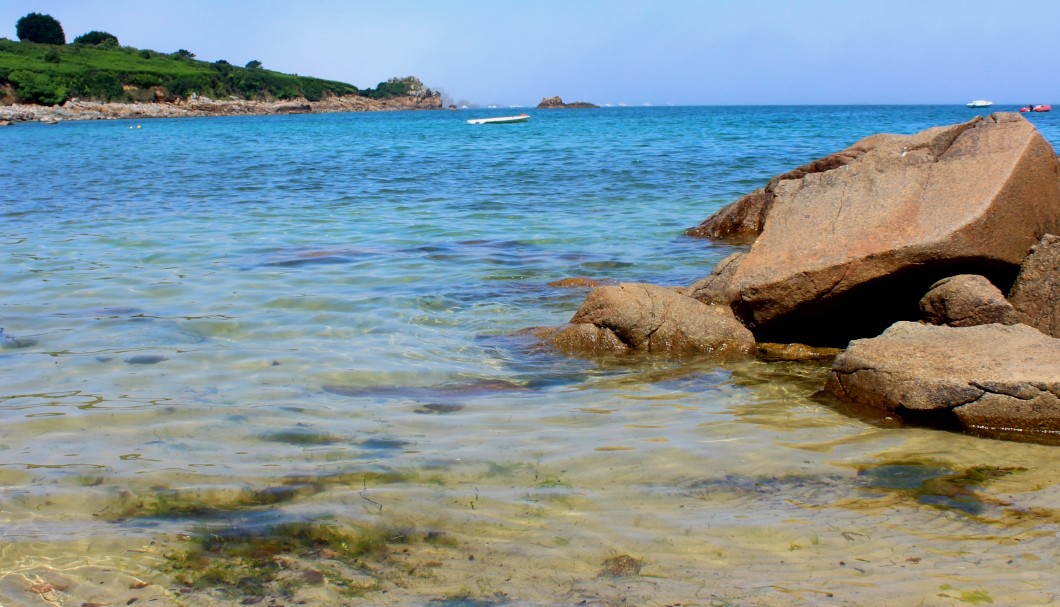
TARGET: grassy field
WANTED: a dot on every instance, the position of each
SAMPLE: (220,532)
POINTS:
(51,74)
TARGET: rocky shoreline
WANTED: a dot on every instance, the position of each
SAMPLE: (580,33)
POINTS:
(930,259)
(198,106)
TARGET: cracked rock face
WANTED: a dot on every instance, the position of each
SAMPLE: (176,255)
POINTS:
(648,318)
(747,216)
(847,252)
(987,378)
(1036,294)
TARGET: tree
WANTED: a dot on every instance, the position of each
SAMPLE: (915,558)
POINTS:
(43,29)
(95,38)
(253,64)
(186,54)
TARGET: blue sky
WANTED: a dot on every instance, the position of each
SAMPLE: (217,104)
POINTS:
(682,52)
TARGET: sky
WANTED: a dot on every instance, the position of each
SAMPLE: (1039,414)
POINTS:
(660,52)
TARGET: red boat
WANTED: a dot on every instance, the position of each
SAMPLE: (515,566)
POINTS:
(1036,108)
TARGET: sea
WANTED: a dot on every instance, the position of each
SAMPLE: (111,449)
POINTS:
(283,360)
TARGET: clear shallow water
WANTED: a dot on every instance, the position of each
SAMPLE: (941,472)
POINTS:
(226,324)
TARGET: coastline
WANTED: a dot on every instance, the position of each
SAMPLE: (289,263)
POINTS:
(197,106)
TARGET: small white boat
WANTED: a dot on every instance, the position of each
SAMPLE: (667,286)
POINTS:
(980,103)
(500,119)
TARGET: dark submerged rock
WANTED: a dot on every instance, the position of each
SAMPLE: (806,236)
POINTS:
(575,282)
(146,359)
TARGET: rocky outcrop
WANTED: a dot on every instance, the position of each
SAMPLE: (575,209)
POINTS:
(966,300)
(555,103)
(196,106)
(988,378)
(935,225)
(1036,293)
(847,252)
(746,217)
(635,316)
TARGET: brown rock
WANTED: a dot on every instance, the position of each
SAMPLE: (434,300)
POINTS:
(747,216)
(966,300)
(849,251)
(717,289)
(1036,293)
(987,378)
(553,103)
(657,319)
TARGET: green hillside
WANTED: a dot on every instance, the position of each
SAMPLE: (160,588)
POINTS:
(51,74)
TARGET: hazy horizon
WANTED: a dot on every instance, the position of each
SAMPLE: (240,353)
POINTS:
(632,52)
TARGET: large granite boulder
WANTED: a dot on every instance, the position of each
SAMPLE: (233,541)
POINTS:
(966,300)
(1036,293)
(747,216)
(988,378)
(717,289)
(648,318)
(849,251)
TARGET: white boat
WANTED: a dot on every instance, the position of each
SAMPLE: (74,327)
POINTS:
(500,119)
(980,103)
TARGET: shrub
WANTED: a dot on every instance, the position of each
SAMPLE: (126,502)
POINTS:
(43,29)
(95,38)
(253,64)
(51,56)
(38,88)
(184,54)
(94,84)
(144,81)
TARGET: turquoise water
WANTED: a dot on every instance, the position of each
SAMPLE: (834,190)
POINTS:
(314,318)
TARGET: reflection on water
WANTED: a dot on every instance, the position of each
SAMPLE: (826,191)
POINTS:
(219,387)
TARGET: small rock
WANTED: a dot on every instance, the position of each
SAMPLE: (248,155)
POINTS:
(621,566)
(966,300)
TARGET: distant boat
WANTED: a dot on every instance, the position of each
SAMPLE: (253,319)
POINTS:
(500,119)
(1036,108)
(980,103)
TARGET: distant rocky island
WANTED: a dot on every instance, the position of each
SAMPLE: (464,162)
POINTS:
(555,103)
